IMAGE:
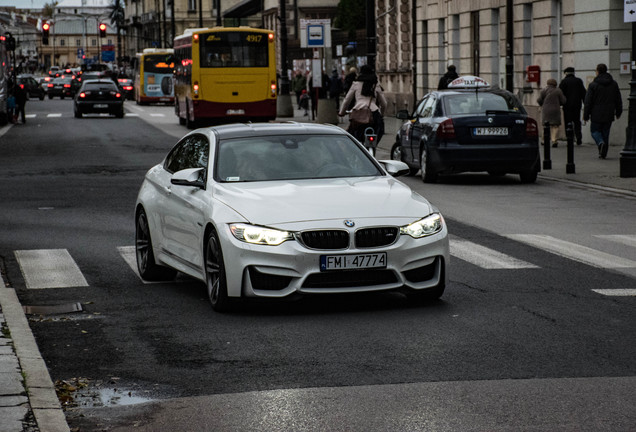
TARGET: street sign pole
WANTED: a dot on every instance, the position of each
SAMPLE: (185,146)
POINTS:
(628,155)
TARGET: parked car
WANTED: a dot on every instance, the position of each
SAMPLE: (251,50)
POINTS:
(32,87)
(99,96)
(470,127)
(268,210)
(127,87)
(60,87)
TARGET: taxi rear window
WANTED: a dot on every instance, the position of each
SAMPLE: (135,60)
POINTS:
(478,103)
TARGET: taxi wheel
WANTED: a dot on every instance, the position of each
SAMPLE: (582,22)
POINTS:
(428,176)
(528,176)
(396,152)
(148,268)
(215,281)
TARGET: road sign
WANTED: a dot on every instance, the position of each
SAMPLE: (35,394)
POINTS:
(315,33)
(629,14)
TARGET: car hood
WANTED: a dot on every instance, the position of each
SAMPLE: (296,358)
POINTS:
(278,202)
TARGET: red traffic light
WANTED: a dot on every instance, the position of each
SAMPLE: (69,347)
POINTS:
(102,30)
(46,26)
(102,27)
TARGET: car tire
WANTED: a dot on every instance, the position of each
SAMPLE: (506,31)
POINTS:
(78,114)
(148,269)
(215,280)
(190,124)
(41,97)
(528,176)
(396,154)
(120,114)
(427,173)
(50,96)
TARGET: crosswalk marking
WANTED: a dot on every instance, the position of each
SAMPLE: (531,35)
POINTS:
(157,115)
(129,255)
(628,240)
(617,292)
(54,115)
(574,251)
(484,257)
(30,115)
(49,268)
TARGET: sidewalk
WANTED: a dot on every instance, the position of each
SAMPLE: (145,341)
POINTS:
(28,402)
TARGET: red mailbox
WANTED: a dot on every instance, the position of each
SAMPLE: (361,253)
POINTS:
(533,74)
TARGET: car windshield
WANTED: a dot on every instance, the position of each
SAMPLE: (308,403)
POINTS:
(479,103)
(292,157)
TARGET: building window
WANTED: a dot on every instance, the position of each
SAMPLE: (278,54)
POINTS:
(78,42)
(94,42)
(110,41)
(192,5)
(62,42)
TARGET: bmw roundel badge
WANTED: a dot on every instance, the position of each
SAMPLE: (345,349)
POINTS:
(349,223)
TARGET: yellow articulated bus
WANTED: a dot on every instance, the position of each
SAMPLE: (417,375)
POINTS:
(225,74)
(153,76)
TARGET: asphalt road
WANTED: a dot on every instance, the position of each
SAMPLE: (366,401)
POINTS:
(529,345)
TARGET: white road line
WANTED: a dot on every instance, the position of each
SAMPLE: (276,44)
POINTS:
(54,115)
(157,115)
(573,251)
(132,115)
(628,240)
(129,255)
(49,268)
(617,292)
(484,257)
(30,115)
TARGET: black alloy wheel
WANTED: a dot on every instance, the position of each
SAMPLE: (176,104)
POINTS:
(428,176)
(215,281)
(148,268)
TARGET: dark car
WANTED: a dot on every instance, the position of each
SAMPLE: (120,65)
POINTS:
(127,87)
(32,87)
(99,96)
(470,127)
(60,87)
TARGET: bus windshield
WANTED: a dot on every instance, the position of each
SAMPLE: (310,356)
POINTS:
(234,49)
(159,63)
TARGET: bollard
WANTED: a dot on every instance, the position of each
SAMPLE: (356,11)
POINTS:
(547,162)
(569,133)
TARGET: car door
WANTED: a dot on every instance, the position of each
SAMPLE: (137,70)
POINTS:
(408,152)
(422,127)
(183,207)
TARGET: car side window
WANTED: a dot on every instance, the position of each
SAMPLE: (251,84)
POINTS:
(420,107)
(428,107)
(191,152)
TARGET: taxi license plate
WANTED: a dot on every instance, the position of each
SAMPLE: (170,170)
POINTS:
(491,131)
(350,262)
(100,106)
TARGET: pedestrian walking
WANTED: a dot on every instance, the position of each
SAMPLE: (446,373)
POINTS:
(448,77)
(574,91)
(20,102)
(335,87)
(299,83)
(550,100)
(603,103)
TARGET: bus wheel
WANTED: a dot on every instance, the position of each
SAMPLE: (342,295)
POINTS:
(182,121)
(189,123)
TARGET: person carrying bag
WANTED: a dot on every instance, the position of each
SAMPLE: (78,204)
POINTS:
(369,106)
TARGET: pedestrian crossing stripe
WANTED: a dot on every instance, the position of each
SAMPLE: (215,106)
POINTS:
(627,240)
(157,115)
(484,257)
(49,268)
(573,251)
(54,115)
(129,255)
(616,292)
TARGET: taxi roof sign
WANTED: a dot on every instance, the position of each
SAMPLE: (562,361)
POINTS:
(468,81)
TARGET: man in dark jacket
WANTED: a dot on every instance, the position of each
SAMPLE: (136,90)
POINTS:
(447,78)
(603,103)
(20,101)
(574,91)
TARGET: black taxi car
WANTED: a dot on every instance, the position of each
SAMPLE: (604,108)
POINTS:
(469,127)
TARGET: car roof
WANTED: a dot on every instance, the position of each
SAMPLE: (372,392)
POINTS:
(99,81)
(244,130)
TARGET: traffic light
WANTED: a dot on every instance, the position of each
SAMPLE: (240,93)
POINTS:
(45,33)
(102,30)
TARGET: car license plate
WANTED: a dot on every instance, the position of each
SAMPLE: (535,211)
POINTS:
(100,106)
(349,262)
(235,112)
(496,131)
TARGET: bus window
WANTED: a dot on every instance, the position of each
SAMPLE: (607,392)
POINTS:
(236,49)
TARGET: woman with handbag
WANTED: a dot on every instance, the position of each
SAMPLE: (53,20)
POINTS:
(369,106)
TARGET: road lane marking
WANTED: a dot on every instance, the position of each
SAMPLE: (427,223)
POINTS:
(132,115)
(627,240)
(30,115)
(157,115)
(54,115)
(627,292)
(49,268)
(573,251)
(484,257)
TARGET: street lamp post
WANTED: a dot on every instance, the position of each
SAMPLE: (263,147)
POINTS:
(284,107)
(628,155)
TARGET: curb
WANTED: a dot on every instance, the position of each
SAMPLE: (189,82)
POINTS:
(45,405)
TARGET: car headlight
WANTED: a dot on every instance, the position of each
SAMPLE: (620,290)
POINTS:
(427,226)
(260,235)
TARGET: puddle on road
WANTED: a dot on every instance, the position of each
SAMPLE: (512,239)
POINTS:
(107,397)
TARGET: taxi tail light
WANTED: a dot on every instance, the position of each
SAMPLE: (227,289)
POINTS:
(532,129)
(446,129)
(82,95)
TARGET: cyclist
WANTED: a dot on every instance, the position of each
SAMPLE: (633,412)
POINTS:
(367,93)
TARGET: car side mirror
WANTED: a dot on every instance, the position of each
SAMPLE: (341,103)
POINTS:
(403,115)
(188,177)
(395,168)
